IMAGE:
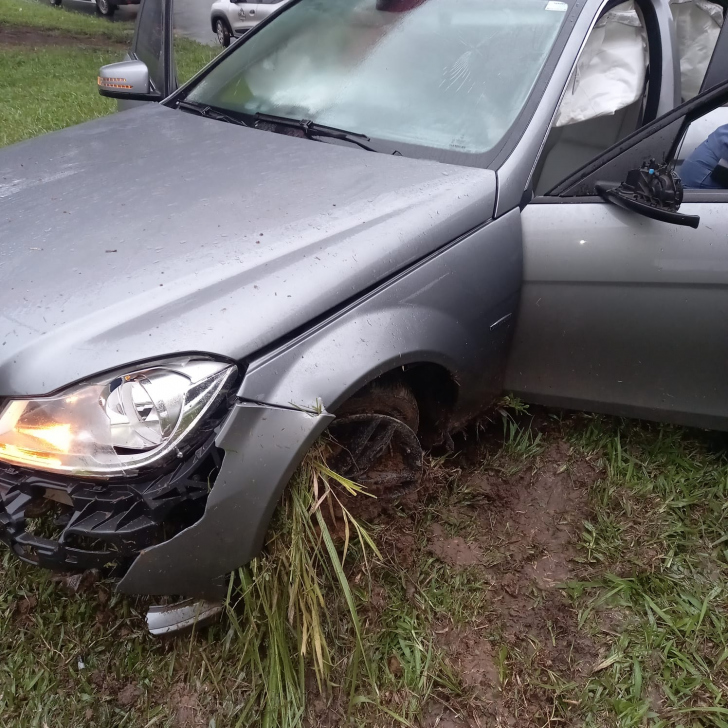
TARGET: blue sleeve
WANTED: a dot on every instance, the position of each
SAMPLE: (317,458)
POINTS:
(697,168)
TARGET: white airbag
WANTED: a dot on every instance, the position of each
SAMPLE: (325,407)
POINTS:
(612,70)
(698,24)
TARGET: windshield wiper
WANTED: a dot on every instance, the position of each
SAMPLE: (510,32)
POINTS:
(209,112)
(311,129)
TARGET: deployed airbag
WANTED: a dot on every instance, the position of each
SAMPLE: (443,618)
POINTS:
(612,70)
(698,24)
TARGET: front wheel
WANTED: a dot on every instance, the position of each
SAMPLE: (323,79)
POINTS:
(105,8)
(222,32)
(56,3)
(374,438)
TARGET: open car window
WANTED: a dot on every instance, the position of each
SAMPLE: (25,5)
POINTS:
(697,27)
(662,141)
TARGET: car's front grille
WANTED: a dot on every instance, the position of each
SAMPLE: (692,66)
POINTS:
(64,523)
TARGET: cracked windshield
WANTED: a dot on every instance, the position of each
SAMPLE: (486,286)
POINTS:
(447,75)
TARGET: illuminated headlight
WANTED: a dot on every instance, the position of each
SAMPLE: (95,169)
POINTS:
(118,423)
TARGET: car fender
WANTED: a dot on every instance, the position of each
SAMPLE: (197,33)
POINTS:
(455,308)
(218,14)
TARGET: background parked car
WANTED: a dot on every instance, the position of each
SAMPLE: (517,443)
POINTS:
(103,7)
(233,18)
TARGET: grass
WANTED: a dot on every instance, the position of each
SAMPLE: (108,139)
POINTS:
(50,86)
(438,610)
(41,15)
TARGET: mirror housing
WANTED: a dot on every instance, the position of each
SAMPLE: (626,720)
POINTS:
(127,80)
(654,191)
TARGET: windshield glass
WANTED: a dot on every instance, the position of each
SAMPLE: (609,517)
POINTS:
(440,74)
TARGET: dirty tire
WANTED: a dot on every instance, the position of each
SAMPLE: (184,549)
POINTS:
(392,400)
(222,31)
(375,440)
(105,8)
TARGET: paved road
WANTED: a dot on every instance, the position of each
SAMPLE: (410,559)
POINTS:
(192,19)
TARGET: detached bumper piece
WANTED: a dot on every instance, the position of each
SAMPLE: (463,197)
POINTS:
(71,524)
(182,615)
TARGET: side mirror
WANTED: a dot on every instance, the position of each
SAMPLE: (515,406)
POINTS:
(127,80)
(654,191)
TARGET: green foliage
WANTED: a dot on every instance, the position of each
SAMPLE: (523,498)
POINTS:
(53,85)
(42,15)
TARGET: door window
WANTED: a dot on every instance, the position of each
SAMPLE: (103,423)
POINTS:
(605,98)
(697,24)
(149,41)
(703,147)
(698,131)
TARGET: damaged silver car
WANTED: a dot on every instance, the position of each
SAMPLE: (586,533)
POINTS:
(374,216)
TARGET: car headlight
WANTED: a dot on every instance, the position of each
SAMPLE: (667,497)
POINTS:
(115,424)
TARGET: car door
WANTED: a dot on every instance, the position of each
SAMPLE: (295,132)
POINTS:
(265,8)
(148,73)
(621,313)
(247,15)
(153,44)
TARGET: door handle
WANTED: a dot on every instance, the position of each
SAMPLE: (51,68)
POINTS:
(251,12)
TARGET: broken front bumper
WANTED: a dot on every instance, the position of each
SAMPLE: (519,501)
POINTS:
(63,523)
(180,533)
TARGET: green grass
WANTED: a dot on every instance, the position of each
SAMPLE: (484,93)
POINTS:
(657,546)
(51,86)
(35,14)
(66,95)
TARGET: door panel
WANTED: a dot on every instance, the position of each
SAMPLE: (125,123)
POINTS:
(266,9)
(252,14)
(623,314)
(153,44)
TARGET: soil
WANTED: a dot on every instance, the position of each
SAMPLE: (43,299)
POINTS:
(40,37)
(185,706)
(520,534)
(129,695)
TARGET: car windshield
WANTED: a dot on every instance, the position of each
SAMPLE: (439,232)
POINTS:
(442,75)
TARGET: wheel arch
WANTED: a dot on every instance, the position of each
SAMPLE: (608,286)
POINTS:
(220,16)
(422,348)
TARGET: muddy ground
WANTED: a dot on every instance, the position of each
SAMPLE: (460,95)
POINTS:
(26,37)
(518,531)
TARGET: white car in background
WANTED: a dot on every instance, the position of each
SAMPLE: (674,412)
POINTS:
(233,18)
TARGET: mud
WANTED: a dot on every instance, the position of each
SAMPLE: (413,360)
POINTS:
(39,38)
(185,706)
(455,551)
(528,526)
(520,533)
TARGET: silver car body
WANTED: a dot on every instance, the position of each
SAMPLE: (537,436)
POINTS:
(348,266)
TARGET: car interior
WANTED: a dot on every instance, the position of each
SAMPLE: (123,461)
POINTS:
(609,95)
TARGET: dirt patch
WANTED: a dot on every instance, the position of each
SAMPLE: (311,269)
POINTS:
(184,705)
(472,656)
(129,695)
(527,527)
(455,551)
(40,37)
(439,716)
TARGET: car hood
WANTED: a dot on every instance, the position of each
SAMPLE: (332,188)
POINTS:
(153,232)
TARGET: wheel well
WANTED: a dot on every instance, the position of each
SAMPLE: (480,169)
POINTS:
(214,20)
(436,393)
